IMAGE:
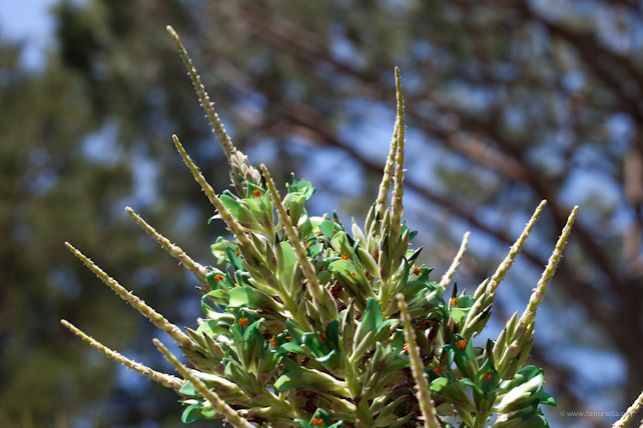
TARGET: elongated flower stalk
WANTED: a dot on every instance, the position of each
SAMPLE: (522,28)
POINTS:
(309,323)
(166,380)
(240,170)
(630,413)
(228,413)
(448,275)
(174,250)
(427,407)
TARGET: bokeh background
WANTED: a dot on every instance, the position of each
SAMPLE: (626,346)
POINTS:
(509,102)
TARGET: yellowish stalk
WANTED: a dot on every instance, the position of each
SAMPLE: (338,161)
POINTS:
(630,413)
(166,380)
(314,287)
(385,184)
(148,312)
(427,407)
(208,106)
(230,415)
(537,296)
(398,190)
(514,250)
(448,275)
(487,297)
(234,226)
(174,250)
(240,169)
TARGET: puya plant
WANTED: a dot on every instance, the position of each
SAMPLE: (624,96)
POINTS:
(307,322)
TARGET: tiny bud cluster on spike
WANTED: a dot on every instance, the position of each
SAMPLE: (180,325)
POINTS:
(311,323)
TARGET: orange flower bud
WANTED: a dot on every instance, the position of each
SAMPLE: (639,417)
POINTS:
(461,344)
(243,322)
(318,422)
(256,193)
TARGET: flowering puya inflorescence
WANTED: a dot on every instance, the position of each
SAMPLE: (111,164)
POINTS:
(310,323)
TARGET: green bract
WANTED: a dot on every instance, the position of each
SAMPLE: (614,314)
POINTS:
(307,322)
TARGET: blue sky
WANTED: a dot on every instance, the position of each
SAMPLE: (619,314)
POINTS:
(28,21)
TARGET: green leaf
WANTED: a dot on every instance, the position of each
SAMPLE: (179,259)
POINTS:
(439,384)
(327,227)
(465,301)
(545,398)
(286,260)
(217,279)
(304,187)
(468,382)
(371,319)
(244,296)
(458,314)
(231,202)
(345,268)
(290,347)
(188,389)
(463,355)
(252,188)
(315,250)
(295,204)
(235,260)
(295,332)
(192,413)
(218,249)
(453,391)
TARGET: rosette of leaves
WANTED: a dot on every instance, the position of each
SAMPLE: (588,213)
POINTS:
(310,322)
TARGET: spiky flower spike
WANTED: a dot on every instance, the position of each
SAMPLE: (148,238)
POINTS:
(240,170)
(309,325)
